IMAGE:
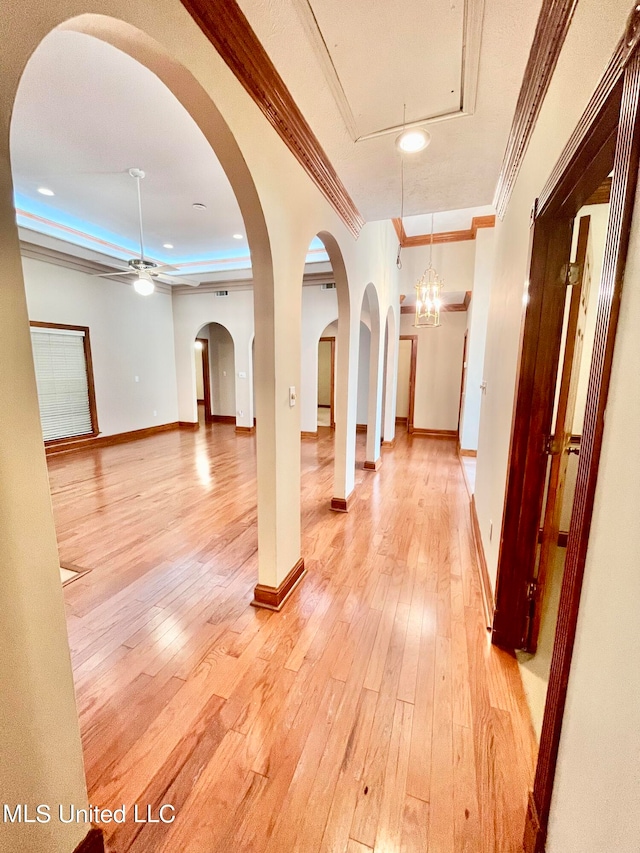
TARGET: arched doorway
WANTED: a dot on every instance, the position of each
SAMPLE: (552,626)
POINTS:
(36,668)
(215,374)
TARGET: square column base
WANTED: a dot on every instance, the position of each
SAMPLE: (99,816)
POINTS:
(373,466)
(275,597)
(342,504)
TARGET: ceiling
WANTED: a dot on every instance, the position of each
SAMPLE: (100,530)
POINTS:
(85,113)
(351,68)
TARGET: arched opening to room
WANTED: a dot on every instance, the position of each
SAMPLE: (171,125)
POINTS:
(78,217)
(214,364)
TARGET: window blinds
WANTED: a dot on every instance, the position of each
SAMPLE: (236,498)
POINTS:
(61,376)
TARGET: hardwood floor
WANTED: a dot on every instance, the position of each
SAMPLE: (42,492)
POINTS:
(370,714)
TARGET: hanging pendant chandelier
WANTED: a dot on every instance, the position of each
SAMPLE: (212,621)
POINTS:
(428,294)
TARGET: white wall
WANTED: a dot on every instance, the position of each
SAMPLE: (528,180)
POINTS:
(319,309)
(131,336)
(477,336)
(438,370)
(222,371)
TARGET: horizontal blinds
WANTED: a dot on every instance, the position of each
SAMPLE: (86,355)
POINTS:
(61,376)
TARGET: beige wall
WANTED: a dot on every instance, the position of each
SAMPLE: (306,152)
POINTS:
(438,370)
(404,376)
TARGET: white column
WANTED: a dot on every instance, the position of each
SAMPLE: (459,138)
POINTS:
(277,369)
(41,749)
(348,343)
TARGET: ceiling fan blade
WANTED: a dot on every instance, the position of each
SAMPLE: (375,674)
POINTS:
(108,274)
(170,279)
(165,269)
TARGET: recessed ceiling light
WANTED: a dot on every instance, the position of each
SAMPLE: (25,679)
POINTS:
(411,141)
(238,237)
(45,191)
(197,205)
(167,245)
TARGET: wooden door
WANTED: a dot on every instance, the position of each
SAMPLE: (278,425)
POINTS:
(560,445)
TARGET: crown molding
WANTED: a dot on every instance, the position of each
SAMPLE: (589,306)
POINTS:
(444,236)
(309,279)
(551,30)
(228,30)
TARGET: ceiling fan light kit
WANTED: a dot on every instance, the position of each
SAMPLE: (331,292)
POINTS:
(144,285)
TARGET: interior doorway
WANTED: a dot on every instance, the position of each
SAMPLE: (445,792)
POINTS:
(563,449)
(214,357)
(406,394)
(203,380)
(326,381)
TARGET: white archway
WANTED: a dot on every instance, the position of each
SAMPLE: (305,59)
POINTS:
(42,752)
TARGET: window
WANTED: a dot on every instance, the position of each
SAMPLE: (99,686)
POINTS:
(64,376)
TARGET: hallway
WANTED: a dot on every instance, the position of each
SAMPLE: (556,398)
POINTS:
(371,714)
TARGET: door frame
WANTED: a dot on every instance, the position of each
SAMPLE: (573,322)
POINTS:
(462,381)
(610,123)
(332,340)
(206,380)
(412,378)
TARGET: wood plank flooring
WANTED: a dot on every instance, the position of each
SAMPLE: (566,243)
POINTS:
(371,714)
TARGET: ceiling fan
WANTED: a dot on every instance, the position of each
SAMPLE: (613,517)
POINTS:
(145,270)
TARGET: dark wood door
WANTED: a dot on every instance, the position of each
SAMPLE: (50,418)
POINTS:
(560,445)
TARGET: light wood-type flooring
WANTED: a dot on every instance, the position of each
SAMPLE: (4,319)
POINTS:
(370,714)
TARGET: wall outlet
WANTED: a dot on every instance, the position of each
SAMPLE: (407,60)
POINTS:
(155,414)
(136,379)
(240,413)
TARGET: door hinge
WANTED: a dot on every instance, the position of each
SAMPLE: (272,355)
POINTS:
(532,589)
(570,274)
(551,445)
